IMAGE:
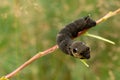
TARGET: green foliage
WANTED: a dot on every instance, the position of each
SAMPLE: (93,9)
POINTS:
(30,26)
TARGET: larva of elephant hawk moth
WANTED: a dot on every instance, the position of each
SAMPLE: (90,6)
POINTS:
(64,40)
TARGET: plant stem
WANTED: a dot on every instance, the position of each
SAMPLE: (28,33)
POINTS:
(35,57)
(52,49)
(108,15)
(100,38)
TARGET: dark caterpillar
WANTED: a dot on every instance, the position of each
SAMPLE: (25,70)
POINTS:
(75,48)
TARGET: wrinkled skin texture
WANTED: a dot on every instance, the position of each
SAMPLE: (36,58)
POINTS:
(67,45)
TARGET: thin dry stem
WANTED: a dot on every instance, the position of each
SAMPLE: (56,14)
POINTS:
(52,49)
(110,14)
(38,55)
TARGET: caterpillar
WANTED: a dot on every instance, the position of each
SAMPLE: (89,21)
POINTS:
(64,38)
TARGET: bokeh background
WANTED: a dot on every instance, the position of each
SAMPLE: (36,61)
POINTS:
(30,26)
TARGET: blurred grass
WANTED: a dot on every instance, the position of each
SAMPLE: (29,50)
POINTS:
(30,26)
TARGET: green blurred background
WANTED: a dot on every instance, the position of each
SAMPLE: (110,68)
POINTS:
(30,26)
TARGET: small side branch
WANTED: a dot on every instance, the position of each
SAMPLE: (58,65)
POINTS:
(52,49)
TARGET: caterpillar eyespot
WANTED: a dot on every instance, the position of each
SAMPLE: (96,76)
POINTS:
(75,48)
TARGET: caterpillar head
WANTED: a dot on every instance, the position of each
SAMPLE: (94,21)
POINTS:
(80,50)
